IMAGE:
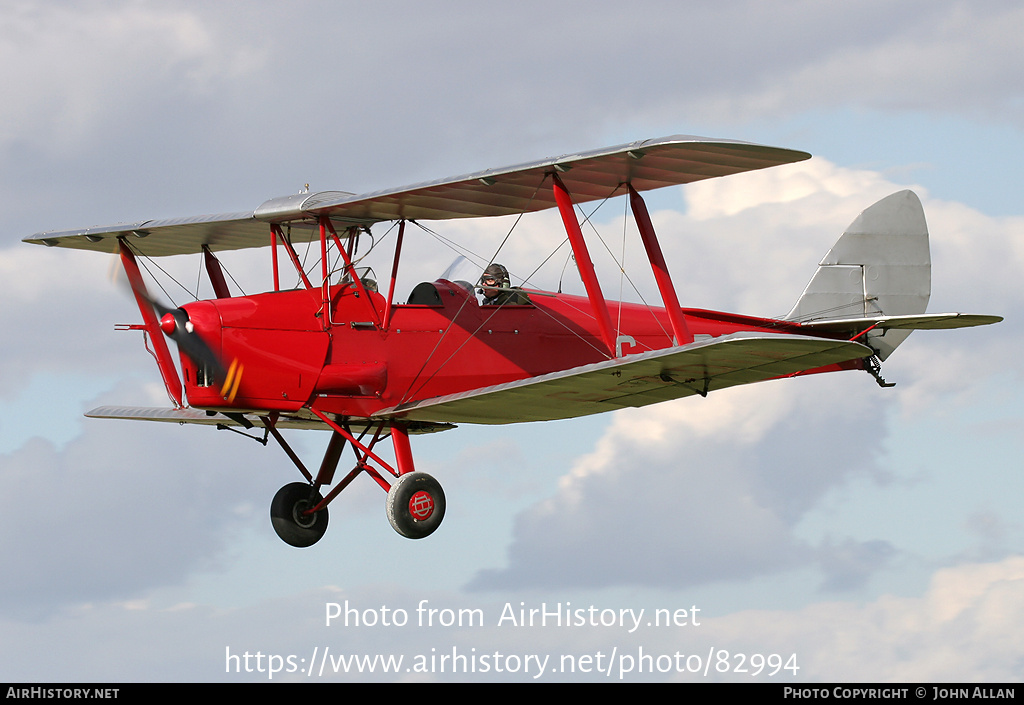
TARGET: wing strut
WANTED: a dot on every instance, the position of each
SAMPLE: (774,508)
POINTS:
(682,333)
(584,264)
(220,286)
(327,225)
(163,356)
(394,273)
(287,242)
(274,230)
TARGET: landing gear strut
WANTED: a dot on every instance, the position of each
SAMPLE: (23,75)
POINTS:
(874,368)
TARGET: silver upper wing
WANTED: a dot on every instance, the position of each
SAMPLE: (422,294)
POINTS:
(593,175)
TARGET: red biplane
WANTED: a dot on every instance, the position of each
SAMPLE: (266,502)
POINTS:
(337,354)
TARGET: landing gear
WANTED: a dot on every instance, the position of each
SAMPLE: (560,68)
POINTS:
(874,368)
(289,517)
(415,505)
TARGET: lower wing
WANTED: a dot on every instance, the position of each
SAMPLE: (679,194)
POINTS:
(635,380)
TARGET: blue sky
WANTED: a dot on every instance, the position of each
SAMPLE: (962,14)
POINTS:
(874,533)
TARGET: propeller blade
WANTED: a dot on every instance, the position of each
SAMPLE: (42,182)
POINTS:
(176,324)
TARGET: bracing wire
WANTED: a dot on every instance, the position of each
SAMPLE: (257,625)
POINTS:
(452,245)
(622,268)
(409,391)
(199,277)
(144,258)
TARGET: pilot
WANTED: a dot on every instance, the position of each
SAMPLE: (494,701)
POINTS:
(494,283)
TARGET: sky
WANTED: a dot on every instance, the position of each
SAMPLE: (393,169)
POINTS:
(808,530)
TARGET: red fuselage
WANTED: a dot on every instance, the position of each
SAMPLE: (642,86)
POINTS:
(355,366)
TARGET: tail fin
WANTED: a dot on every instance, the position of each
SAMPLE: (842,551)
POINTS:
(880,266)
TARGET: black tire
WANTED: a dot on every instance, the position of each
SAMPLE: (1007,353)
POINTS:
(415,505)
(295,528)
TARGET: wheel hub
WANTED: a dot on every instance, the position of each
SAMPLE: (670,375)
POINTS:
(301,518)
(421,505)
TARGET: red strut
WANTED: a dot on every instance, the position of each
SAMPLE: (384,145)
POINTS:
(584,264)
(661,276)
(156,335)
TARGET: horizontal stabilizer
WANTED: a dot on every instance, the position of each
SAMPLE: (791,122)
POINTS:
(929,321)
(636,380)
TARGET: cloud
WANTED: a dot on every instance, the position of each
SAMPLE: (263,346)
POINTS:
(959,630)
(198,93)
(925,57)
(56,302)
(850,564)
(835,190)
(122,509)
(962,628)
(80,67)
(690,492)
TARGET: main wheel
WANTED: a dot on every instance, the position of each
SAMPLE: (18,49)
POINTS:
(415,505)
(291,524)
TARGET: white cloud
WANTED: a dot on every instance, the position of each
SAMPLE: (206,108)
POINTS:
(121,510)
(963,628)
(58,302)
(698,490)
(834,187)
(960,630)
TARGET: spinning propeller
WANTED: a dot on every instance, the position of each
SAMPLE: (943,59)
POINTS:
(176,324)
